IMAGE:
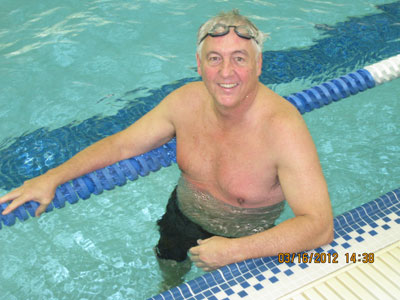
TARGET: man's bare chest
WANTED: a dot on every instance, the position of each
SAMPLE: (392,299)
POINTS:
(239,170)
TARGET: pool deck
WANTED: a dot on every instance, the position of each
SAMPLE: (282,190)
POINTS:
(371,232)
(377,280)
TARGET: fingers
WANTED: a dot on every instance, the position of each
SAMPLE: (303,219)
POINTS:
(198,262)
(40,209)
(10,196)
(194,254)
(35,189)
(201,265)
(18,202)
(14,204)
(208,269)
(204,266)
(194,250)
(200,242)
(195,258)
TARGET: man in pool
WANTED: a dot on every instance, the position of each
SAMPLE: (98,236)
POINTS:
(242,151)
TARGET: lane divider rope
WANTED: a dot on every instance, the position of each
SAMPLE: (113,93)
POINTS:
(115,175)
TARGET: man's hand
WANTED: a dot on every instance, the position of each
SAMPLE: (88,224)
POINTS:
(213,253)
(39,189)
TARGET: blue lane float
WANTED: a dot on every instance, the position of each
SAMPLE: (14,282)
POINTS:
(98,181)
(334,90)
(345,86)
(117,174)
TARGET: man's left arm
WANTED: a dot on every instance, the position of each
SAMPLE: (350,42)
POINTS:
(306,192)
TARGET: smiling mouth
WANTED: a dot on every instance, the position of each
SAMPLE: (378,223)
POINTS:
(228,85)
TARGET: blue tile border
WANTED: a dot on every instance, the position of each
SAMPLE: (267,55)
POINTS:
(351,228)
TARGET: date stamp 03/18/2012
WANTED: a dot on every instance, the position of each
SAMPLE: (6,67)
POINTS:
(325,258)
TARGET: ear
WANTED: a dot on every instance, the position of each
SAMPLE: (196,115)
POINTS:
(259,64)
(198,64)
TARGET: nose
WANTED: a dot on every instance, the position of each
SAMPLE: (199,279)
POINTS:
(226,68)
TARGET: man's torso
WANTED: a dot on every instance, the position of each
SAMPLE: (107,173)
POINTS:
(234,165)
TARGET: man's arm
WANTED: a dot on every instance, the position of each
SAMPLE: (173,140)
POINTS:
(151,131)
(306,192)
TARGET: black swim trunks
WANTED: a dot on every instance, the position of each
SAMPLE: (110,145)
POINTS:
(177,233)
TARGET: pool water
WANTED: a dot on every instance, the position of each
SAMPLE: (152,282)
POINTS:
(67,64)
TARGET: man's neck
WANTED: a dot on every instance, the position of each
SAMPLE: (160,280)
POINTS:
(237,116)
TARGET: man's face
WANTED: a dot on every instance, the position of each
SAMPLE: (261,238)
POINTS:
(229,68)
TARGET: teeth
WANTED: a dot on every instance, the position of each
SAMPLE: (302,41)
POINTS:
(228,85)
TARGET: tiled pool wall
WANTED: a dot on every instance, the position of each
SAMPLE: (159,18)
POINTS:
(365,229)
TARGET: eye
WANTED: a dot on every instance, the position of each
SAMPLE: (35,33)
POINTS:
(240,59)
(214,59)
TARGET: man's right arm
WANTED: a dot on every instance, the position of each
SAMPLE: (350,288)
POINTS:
(152,130)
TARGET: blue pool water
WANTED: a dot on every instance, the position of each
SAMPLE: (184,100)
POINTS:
(74,73)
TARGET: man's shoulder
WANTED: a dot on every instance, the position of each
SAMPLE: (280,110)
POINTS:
(280,112)
(184,101)
(190,91)
(282,122)
(195,87)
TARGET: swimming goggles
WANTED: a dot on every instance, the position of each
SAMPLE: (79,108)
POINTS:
(220,29)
